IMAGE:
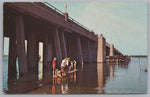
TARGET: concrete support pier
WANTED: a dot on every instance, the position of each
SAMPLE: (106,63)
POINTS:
(32,51)
(111,50)
(63,44)
(79,50)
(20,37)
(50,48)
(101,49)
(12,70)
(89,52)
(57,45)
(45,51)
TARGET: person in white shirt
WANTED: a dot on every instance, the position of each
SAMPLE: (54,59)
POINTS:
(63,65)
(67,61)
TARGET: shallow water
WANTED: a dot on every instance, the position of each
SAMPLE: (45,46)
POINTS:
(91,78)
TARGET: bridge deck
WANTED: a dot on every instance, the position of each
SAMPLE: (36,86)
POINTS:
(43,12)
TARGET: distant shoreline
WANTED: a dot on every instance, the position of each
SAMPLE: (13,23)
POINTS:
(5,56)
(138,55)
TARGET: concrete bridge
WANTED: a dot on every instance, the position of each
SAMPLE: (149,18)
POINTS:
(61,37)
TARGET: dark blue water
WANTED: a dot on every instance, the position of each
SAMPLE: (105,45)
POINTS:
(95,78)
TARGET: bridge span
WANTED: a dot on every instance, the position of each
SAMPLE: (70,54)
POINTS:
(61,37)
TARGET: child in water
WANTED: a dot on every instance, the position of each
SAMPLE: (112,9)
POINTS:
(54,65)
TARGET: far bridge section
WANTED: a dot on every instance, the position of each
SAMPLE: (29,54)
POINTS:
(106,50)
(117,58)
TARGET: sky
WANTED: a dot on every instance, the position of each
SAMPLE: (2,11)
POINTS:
(122,23)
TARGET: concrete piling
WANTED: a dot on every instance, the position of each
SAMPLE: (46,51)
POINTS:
(20,37)
(101,49)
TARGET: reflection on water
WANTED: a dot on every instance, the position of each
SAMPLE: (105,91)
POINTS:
(40,76)
(100,74)
(109,77)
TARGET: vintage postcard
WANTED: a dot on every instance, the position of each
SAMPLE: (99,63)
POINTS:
(89,47)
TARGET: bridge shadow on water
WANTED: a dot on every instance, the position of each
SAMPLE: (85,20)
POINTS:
(95,78)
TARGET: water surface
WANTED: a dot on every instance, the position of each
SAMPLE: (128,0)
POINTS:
(91,78)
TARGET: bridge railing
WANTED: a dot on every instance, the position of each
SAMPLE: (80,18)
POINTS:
(54,8)
(79,24)
(73,20)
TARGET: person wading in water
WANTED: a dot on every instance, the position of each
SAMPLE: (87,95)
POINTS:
(54,66)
